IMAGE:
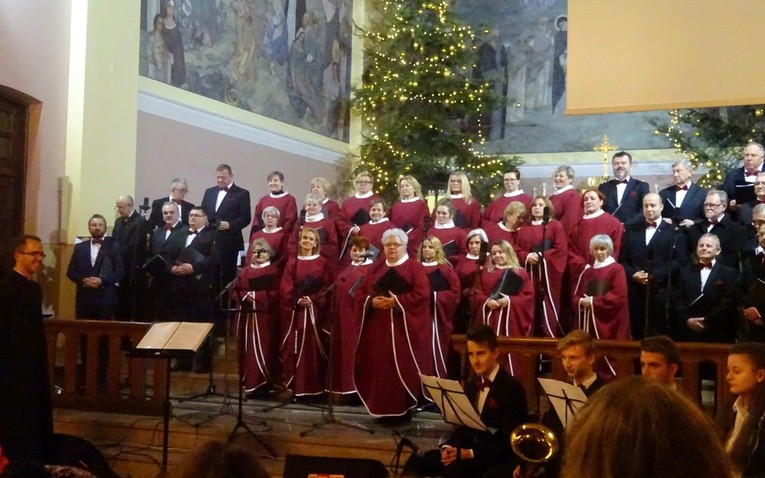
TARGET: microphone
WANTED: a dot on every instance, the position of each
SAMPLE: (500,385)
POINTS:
(546,215)
(145,206)
(368,255)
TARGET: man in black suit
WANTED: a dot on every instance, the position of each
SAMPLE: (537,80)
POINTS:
(178,190)
(731,235)
(739,183)
(130,232)
(501,402)
(228,209)
(167,243)
(707,297)
(194,273)
(96,269)
(651,251)
(623,194)
(684,201)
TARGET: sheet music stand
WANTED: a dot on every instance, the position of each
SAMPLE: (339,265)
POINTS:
(454,405)
(166,354)
(564,397)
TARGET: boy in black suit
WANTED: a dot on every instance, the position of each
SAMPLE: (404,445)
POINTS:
(501,402)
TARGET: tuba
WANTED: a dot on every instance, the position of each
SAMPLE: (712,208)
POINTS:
(534,443)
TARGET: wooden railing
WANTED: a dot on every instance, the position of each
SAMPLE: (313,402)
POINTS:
(127,385)
(623,355)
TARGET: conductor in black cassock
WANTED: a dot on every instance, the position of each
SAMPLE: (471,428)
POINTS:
(26,420)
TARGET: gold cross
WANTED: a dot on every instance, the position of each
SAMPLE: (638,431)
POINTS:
(606,147)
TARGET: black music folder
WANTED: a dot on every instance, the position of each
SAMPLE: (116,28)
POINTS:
(438,281)
(509,284)
(392,281)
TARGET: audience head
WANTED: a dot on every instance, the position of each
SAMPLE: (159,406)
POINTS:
(219,459)
(746,379)
(659,359)
(483,351)
(621,163)
(753,155)
(409,187)
(635,428)
(563,176)
(682,171)
(577,351)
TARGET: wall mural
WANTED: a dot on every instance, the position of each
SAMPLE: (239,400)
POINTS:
(285,59)
(523,49)
(290,60)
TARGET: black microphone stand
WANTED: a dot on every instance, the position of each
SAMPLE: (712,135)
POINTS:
(648,326)
(541,292)
(667,303)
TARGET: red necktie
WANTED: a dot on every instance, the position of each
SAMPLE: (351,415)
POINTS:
(750,173)
(168,227)
(650,224)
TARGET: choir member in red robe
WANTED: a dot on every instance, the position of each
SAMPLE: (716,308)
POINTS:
(595,221)
(278,198)
(494,212)
(302,291)
(325,227)
(320,187)
(509,314)
(566,200)
(452,237)
(410,212)
(444,297)
(377,225)
(467,209)
(545,262)
(355,210)
(601,295)
(468,269)
(395,317)
(257,293)
(345,331)
(507,230)
(274,234)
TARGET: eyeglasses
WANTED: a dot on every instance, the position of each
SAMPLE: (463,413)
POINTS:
(363,181)
(393,245)
(35,254)
(711,206)
(260,251)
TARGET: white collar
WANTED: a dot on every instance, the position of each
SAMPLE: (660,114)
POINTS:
(359,195)
(471,257)
(505,228)
(411,199)
(385,219)
(595,214)
(448,225)
(517,192)
(563,189)
(455,196)
(398,262)
(315,217)
(276,196)
(430,264)
(536,222)
(260,266)
(308,258)
(607,262)
(367,261)
(274,230)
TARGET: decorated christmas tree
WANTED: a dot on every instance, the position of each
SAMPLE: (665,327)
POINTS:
(713,138)
(420,103)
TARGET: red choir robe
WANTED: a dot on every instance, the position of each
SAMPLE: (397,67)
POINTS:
(354,212)
(547,274)
(513,321)
(468,272)
(466,216)
(277,239)
(345,332)
(391,347)
(259,322)
(373,231)
(567,203)
(498,231)
(330,209)
(443,304)
(495,211)
(579,239)
(301,350)
(327,234)
(448,236)
(286,205)
(411,216)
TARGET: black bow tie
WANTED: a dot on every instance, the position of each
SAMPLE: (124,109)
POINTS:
(482,383)
(681,188)
(223,188)
(703,266)
(650,224)
(97,241)
(192,232)
(621,181)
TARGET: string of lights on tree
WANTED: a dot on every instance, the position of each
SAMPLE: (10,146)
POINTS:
(713,138)
(420,105)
